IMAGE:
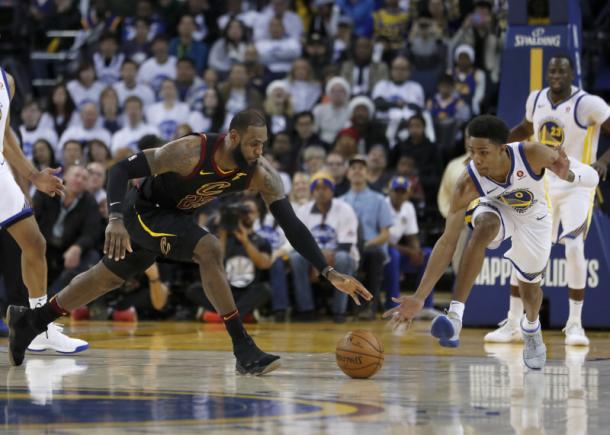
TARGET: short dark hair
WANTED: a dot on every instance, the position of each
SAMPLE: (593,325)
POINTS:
(247,118)
(565,56)
(418,116)
(446,79)
(489,127)
(186,60)
(305,113)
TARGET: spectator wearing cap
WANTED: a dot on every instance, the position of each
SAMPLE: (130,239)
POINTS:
(135,127)
(370,131)
(377,173)
(279,50)
(480,30)
(161,66)
(362,73)
(375,218)
(334,226)
(304,87)
(85,88)
(361,12)
(107,60)
(129,86)
(470,81)
(346,143)
(332,116)
(230,48)
(89,128)
(278,107)
(184,45)
(278,9)
(336,165)
(406,254)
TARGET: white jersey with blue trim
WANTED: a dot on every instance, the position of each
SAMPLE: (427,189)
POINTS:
(523,192)
(5,107)
(574,123)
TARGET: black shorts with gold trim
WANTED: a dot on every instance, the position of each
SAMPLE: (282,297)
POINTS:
(154,232)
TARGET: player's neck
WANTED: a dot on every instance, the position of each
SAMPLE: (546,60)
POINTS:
(501,176)
(223,159)
(557,97)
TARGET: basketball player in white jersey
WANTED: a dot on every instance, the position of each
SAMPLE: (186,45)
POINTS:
(563,115)
(16,216)
(508,180)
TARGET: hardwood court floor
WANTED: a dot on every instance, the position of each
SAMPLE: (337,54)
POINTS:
(179,378)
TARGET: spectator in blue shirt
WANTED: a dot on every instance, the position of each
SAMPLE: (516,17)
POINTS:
(185,46)
(375,219)
(361,12)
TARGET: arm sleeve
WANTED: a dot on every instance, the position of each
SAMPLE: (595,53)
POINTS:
(135,166)
(584,175)
(297,233)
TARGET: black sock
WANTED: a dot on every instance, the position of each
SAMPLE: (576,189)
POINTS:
(234,327)
(46,314)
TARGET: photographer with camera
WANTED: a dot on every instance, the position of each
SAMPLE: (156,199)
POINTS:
(246,255)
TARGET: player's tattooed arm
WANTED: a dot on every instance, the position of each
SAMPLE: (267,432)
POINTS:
(180,156)
(268,182)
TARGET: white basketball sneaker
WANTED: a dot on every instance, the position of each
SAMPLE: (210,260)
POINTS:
(508,332)
(575,335)
(54,339)
(446,328)
(534,350)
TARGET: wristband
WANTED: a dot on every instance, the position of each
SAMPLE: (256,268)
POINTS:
(326,271)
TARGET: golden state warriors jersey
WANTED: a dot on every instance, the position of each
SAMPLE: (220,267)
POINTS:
(523,192)
(573,123)
(5,105)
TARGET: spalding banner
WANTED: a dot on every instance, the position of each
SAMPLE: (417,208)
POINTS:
(488,302)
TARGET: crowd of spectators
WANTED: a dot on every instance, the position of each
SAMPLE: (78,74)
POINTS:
(366,103)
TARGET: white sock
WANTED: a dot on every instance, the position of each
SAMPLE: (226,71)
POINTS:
(515,312)
(575,311)
(530,327)
(457,308)
(38,302)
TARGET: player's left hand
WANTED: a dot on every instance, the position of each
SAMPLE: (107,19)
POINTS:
(403,313)
(47,182)
(349,285)
(601,168)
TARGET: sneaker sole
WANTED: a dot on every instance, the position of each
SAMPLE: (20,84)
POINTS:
(269,368)
(67,352)
(442,328)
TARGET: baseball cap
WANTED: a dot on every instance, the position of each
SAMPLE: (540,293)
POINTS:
(399,182)
(321,177)
(359,158)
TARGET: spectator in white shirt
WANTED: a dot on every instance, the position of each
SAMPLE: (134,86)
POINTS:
(229,49)
(278,51)
(304,88)
(406,254)
(278,107)
(331,117)
(129,86)
(85,88)
(190,87)
(88,130)
(160,67)
(135,127)
(334,225)
(108,60)
(33,128)
(168,113)
(290,20)
(399,91)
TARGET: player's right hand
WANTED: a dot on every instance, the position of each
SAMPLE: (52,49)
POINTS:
(403,313)
(117,240)
(46,181)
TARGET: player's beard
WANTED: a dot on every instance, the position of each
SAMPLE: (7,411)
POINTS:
(240,160)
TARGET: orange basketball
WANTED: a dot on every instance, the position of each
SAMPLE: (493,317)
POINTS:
(359,354)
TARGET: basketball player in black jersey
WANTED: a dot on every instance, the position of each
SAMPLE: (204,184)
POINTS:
(154,221)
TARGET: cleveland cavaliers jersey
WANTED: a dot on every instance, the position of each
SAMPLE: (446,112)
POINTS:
(5,106)
(523,191)
(206,182)
(573,123)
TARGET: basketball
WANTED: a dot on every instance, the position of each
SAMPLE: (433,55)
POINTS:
(359,354)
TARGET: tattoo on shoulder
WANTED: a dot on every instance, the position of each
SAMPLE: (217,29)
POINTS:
(180,156)
(273,188)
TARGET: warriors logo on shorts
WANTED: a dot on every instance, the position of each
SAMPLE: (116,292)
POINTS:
(520,200)
(551,133)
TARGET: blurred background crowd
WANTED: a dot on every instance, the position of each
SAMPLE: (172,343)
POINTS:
(366,104)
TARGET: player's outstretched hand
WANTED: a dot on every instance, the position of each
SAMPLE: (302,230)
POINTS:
(349,285)
(403,313)
(601,168)
(46,181)
(117,239)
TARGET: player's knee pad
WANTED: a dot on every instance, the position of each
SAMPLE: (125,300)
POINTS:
(576,265)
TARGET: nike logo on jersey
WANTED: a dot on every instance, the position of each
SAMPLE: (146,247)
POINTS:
(492,190)
(541,217)
(205,173)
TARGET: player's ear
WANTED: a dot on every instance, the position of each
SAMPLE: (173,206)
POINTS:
(234,136)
